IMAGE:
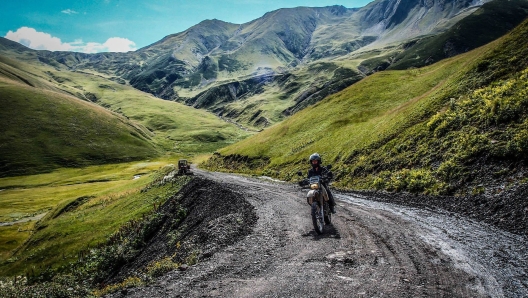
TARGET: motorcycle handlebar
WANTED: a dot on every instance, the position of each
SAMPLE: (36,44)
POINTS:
(324,180)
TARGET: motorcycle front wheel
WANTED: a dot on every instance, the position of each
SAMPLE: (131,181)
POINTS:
(316,218)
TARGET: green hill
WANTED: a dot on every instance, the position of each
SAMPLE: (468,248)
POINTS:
(44,129)
(53,117)
(453,126)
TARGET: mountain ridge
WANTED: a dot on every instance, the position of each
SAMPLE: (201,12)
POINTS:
(255,100)
(214,78)
(492,20)
(213,54)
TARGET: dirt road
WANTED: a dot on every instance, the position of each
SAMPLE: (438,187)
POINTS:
(372,249)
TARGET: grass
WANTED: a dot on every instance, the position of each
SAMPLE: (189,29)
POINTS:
(82,242)
(110,195)
(12,237)
(480,132)
(27,196)
(124,124)
(177,127)
(376,132)
(371,108)
(57,130)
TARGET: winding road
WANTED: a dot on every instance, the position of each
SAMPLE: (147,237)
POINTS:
(372,249)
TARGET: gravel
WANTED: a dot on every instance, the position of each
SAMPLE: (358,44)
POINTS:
(416,248)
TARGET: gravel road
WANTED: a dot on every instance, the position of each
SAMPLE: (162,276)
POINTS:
(373,249)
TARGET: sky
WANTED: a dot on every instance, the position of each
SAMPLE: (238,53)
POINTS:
(93,26)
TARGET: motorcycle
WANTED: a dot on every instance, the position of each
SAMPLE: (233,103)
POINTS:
(318,200)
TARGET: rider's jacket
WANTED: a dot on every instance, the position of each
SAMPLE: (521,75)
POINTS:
(319,172)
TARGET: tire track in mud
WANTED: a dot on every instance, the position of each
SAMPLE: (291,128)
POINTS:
(396,263)
(372,249)
(495,261)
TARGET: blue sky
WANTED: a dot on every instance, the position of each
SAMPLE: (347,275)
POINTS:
(118,25)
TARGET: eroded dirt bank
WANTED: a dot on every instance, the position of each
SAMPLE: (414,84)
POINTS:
(202,218)
(373,249)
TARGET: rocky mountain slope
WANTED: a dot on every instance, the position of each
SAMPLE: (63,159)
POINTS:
(491,21)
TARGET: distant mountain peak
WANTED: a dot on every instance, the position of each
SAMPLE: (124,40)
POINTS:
(338,10)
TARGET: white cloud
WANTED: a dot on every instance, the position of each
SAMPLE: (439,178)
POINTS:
(33,39)
(69,11)
(119,44)
(36,40)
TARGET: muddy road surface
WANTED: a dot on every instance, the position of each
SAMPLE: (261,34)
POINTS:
(372,249)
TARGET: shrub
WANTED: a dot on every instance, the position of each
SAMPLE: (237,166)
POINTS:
(160,267)
(448,170)
(382,181)
(127,283)
(60,286)
(419,180)
(518,145)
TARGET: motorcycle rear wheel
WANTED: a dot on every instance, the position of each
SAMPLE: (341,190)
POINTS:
(316,218)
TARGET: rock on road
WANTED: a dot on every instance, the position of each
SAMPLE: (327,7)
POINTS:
(372,249)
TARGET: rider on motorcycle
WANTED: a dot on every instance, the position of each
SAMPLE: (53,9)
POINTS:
(318,170)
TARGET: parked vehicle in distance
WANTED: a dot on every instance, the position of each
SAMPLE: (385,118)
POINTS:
(184,167)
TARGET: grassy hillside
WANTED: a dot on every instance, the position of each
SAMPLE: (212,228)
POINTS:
(440,129)
(54,118)
(69,203)
(177,128)
(44,129)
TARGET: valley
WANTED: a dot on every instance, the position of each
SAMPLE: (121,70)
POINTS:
(420,106)
(86,119)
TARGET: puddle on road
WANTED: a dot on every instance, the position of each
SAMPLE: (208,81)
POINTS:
(270,179)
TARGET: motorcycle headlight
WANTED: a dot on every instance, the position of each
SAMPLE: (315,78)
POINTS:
(314,186)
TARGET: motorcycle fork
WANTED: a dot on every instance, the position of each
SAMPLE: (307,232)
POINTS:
(322,207)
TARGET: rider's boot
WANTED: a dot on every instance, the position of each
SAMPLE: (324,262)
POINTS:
(332,202)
